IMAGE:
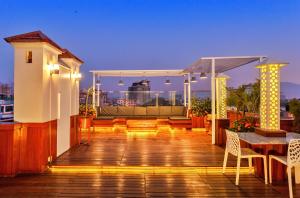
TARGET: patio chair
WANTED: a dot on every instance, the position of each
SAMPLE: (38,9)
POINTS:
(291,160)
(233,147)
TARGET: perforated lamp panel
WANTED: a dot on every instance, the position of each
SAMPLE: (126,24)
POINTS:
(221,93)
(270,96)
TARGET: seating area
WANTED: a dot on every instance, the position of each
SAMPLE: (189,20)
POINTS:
(132,117)
(106,112)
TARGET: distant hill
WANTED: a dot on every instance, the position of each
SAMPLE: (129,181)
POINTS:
(290,90)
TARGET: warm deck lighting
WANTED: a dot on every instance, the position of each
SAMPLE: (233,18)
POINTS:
(53,68)
(203,76)
(146,169)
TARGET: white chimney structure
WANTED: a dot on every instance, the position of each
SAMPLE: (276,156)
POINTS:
(46,88)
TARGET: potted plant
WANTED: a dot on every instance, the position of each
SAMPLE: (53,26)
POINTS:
(200,109)
(294,109)
(86,111)
(245,124)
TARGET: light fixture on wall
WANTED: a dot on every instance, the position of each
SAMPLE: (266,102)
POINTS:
(77,76)
(203,75)
(186,82)
(53,68)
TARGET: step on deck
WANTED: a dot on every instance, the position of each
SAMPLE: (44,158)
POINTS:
(141,125)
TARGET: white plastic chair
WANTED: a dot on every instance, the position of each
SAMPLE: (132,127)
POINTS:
(291,160)
(233,147)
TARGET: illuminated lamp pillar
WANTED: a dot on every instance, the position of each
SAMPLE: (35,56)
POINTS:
(270,94)
(221,93)
(222,122)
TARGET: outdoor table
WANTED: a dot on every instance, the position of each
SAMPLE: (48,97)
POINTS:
(269,146)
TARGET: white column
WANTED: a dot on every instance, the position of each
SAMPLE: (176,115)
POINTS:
(189,92)
(213,101)
(94,87)
(173,98)
(98,95)
(184,94)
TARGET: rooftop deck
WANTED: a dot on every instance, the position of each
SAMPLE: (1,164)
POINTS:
(180,148)
(142,149)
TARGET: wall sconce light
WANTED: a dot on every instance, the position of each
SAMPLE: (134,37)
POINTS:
(186,82)
(53,68)
(77,76)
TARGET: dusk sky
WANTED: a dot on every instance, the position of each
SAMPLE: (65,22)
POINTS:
(153,34)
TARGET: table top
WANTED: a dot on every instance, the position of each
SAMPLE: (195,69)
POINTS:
(253,138)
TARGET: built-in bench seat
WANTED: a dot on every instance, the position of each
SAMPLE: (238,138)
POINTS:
(149,111)
(174,116)
(180,122)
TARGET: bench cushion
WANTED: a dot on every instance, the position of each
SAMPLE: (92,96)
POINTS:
(178,111)
(152,111)
(140,111)
(109,111)
(125,111)
(179,118)
(165,110)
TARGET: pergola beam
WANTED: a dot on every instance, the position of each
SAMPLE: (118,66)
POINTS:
(139,73)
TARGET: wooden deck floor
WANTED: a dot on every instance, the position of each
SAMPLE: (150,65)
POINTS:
(142,149)
(181,148)
(137,185)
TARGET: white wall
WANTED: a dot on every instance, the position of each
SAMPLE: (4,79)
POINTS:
(28,84)
(63,122)
(36,91)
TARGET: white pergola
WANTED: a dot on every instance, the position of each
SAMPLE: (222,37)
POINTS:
(215,66)
(144,73)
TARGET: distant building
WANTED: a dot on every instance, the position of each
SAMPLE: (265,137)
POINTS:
(6,91)
(125,102)
(140,92)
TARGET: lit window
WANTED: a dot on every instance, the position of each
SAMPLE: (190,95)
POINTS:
(29,57)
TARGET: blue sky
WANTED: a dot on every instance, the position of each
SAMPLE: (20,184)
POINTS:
(153,34)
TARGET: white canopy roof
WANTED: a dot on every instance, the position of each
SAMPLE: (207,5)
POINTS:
(222,64)
(138,73)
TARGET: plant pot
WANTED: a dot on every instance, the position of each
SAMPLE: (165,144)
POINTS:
(85,122)
(198,121)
